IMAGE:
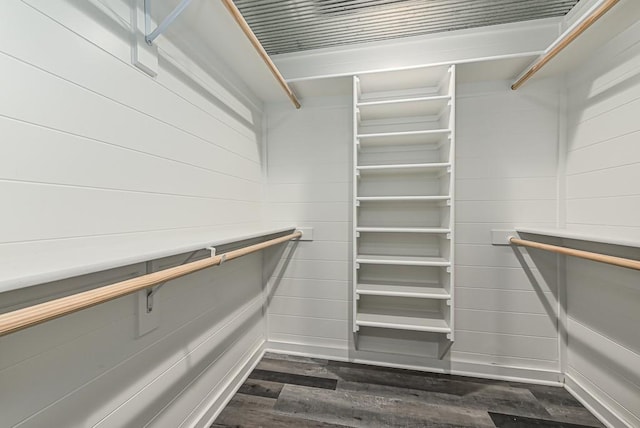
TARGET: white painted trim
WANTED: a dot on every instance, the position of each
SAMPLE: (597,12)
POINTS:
(483,371)
(240,375)
(455,47)
(417,66)
(322,352)
(598,408)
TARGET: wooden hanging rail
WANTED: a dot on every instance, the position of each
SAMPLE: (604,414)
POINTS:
(237,15)
(596,257)
(11,322)
(563,42)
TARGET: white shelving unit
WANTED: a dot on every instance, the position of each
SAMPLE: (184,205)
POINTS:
(404,146)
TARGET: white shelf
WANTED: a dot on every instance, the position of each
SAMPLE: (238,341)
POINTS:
(423,79)
(405,290)
(60,259)
(403,150)
(403,320)
(402,260)
(402,198)
(403,107)
(430,136)
(435,167)
(581,236)
(433,230)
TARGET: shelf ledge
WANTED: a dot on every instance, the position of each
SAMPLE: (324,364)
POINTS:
(436,166)
(403,198)
(581,236)
(395,290)
(66,258)
(404,133)
(432,230)
(425,99)
(402,260)
(403,322)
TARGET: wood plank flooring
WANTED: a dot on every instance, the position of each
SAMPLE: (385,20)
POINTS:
(287,391)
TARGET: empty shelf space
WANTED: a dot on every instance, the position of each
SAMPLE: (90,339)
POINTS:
(430,136)
(403,198)
(432,80)
(402,260)
(403,320)
(434,168)
(402,107)
(406,290)
(433,230)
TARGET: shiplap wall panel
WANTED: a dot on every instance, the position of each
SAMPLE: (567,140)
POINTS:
(603,197)
(511,345)
(103,119)
(94,147)
(505,322)
(322,250)
(514,301)
(498,189)
(609,366)
(502,278)
(66,329)
(507,174)
(313,288)
(309,184)
(18,164)
(131,375)
(309,307)
(137,92)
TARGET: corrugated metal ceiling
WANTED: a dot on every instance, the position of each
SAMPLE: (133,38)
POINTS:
(297,25)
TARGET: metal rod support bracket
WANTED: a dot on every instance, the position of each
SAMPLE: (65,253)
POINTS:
(150,36)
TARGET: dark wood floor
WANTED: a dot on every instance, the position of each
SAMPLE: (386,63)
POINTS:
(285,391)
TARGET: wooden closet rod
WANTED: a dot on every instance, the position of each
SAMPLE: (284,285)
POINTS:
(564,42)
(237,15)
(596,257)
(23,318)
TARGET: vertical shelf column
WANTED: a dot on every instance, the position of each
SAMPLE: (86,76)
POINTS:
(403,201)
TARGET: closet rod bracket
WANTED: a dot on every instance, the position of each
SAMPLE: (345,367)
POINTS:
(154,290)
(150,36)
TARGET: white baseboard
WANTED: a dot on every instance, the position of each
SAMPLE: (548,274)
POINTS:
(311,351)
(479,370)
(602,410)
(236,378)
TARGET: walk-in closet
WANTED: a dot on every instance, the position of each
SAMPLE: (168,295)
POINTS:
(320,213)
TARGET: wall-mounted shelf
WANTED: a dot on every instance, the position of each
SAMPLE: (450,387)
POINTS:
(80,256)
(434,168)
(418,291)
(404,134)
(430,136)
(403,320)
(403,198)
(433,230)
(580,236)
(402,260)
(402,107)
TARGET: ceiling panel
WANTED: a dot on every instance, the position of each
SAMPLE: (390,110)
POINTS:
(285,26)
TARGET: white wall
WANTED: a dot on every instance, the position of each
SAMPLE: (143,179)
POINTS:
(603,197)
(506,161)
(91,148)
(309,176)
(506,175)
